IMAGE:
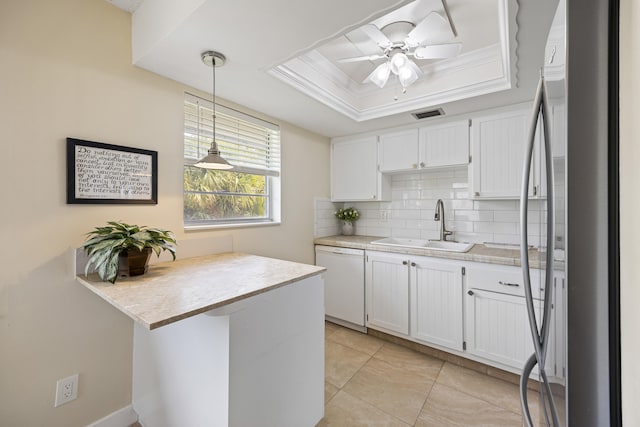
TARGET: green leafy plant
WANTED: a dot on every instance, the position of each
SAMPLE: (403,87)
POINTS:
(347,214)
(104,245)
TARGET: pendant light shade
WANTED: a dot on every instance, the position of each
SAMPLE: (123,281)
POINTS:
(213,160)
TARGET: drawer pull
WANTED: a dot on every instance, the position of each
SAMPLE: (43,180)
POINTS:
(470,293)
(413,264)
(405,262)
(509,284)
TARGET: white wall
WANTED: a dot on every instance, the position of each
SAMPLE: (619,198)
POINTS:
(66,72)
(629,208)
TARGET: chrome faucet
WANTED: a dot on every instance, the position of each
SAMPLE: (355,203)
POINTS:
(439,216)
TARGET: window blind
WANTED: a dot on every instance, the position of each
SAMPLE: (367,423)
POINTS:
(251,145)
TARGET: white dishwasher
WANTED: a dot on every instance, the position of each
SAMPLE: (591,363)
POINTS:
(343,285)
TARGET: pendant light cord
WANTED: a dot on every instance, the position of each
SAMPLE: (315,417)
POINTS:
(214,144)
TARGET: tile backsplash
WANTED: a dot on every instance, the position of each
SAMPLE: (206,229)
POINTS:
(411,211)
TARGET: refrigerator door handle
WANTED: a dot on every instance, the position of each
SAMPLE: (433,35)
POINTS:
(540,339)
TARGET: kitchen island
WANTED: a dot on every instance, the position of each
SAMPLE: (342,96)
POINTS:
(224,340)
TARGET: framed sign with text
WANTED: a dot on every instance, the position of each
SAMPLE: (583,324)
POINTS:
(100,173)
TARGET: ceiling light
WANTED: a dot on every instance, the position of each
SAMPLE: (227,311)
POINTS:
(213,159)
(407,76)
(380,75)
(398,61)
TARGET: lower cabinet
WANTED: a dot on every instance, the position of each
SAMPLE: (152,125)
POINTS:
(476,310)
(436,302)
(414,296)
(498,327)
(387,292)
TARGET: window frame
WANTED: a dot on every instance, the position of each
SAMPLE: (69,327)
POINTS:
(271,193)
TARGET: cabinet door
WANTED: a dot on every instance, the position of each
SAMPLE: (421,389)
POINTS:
(354,170)
(399,151)
(387,292)
(497,329)
(436,302)
(445,145)
(498,145)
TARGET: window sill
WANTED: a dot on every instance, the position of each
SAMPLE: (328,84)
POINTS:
(189,228)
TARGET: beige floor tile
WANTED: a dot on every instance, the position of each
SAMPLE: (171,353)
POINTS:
(341,363)
(330,329)
(489,389)
(356,340)
(410,360)
(345,410)
(393,389)
(329,391)
(449,407)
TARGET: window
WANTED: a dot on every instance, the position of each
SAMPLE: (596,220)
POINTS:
(249,193)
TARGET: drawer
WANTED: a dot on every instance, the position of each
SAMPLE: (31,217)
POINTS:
(506,280)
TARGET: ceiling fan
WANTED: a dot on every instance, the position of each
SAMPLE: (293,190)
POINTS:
(401,40)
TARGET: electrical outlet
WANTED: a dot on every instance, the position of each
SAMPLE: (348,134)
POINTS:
(66,390)
(384,216)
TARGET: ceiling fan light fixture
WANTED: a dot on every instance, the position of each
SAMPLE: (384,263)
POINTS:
(407,76)
(398,62)
(380,75)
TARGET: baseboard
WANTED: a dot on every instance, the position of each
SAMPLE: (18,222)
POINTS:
(121,418)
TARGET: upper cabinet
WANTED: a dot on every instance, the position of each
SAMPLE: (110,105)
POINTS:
(354,171)
(445,145)
(427,147)
(399,151)
(498,144)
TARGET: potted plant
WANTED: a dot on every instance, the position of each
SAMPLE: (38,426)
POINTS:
(120,248)
(348,216)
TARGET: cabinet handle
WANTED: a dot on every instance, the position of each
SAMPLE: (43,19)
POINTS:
(477,193)
(413,264)
(508,284)
(421,164)
(405,262)
(470,293)
(373,197)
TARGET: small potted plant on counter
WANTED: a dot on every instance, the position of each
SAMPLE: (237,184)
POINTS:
(120,249)
(348,216)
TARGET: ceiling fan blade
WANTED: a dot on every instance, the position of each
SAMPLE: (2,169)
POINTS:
(437,51)
(363,58)
(376,35)
(431,27)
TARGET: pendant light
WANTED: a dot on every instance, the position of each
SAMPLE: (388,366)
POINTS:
(213,159)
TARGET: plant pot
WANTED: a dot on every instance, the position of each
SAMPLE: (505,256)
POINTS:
(347,228)
(132,262)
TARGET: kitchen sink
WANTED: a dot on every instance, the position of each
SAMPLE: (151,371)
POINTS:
(437,245)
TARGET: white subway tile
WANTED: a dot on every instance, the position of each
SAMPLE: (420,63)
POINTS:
(495,227)
(495,205)
(506,216)
(470,215)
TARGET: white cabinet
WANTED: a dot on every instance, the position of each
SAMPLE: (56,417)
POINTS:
(399,151)
(436,301)
(444,145)
(354,171)
(498,144)
(496,321)
(387,291)
(498,328)
(434,146)
(416,297)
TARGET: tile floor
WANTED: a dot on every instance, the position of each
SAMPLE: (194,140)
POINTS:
(374,383)
(370,382)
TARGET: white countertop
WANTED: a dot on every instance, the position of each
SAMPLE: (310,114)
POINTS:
(173,291)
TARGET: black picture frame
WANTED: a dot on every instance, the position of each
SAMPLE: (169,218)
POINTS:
(99,173)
